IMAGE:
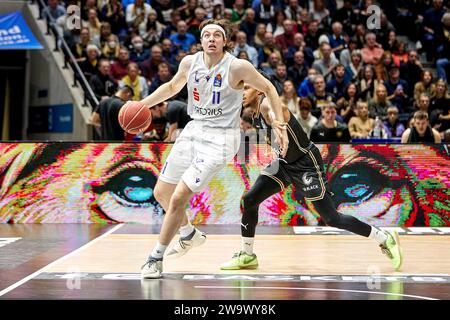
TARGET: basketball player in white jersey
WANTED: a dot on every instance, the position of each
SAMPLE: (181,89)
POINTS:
(215,81)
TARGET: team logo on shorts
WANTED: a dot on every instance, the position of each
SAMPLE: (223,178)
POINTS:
(307,180)
(217,81)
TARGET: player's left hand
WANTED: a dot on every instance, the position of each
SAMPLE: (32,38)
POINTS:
(282,139)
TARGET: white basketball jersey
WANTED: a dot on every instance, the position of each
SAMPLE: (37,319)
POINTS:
(211,98)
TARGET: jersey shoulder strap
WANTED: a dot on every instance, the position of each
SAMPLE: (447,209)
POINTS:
(258,119)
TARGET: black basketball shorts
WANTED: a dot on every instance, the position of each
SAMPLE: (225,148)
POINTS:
(305,174)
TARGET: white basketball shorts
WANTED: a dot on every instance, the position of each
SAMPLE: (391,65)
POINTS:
(198,154)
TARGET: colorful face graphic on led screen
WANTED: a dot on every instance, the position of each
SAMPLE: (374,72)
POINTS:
(385,185)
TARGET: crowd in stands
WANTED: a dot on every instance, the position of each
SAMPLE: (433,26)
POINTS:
(341,78)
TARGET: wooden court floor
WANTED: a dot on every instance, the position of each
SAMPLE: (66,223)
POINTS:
(103,262)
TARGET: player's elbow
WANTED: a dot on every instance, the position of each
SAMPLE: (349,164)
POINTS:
(269,89)
(170,86)
(405,137)
(437,136)
(94,120)
(174,87)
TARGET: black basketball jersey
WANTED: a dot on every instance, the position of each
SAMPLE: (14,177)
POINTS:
(298,139)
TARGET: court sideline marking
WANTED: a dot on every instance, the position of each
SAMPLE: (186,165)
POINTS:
(316,289)
(36,273)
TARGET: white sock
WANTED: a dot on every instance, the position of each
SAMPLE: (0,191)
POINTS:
(378,235)
(247,245)
(186,230)
(158,251)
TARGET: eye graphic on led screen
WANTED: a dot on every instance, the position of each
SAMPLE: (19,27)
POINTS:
(371,186)
(384,185)
(356,184)
(126,193)
(131,187)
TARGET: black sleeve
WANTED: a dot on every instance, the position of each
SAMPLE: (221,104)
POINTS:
(346,136)
(173,114)
(98,107)
(313,136)
(97,87)
(85,69)
(101,107)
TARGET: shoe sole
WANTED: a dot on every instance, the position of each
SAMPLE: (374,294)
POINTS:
(397,240)
(151,276)
(252,267)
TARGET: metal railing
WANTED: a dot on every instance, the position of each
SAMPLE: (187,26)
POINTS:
(69,59)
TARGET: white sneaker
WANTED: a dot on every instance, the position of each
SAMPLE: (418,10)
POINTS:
(183,246)
(152,269)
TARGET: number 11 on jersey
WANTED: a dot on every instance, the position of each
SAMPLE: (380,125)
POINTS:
(216,97)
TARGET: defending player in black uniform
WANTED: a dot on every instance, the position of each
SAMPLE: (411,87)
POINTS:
(303,167)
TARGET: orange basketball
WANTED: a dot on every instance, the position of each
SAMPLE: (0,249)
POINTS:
(135,117)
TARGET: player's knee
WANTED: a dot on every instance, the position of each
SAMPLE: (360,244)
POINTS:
(178,203)
(249,200)
(332,221)
(160,196)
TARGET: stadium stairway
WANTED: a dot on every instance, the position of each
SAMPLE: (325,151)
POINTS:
(82,109)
